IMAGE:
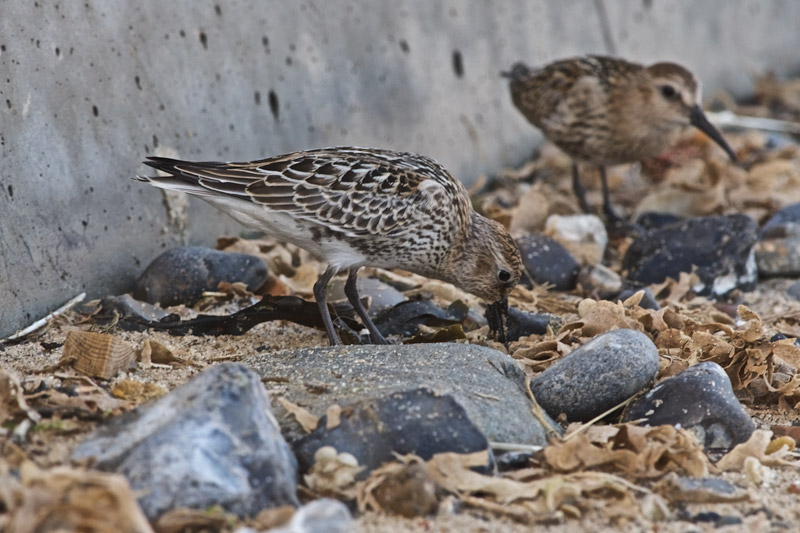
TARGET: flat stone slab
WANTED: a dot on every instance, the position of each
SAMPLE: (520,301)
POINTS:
(488,384)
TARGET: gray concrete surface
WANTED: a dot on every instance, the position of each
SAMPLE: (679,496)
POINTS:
(87,89)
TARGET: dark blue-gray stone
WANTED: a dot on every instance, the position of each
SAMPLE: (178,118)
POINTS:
(699,399)
(416,421)
(181,275)
(547,261)
(718,248)
(598,375)
(212,441)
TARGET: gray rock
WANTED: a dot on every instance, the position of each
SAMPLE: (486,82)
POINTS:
(785,221)
(488,384)
(180,275)
(598,375)
(417,421)
(212,441)
(699,399)
(547,261)
(648,300)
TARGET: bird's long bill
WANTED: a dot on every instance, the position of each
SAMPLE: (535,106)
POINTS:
(699,121)
(496,317)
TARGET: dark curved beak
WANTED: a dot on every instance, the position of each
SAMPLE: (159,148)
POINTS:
(698,120)
(497,316)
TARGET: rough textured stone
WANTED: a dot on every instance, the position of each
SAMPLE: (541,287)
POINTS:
(720,247)
(416,421)
(547,261)
(212,441)
(180,275)
(598,375)
(488,384)
(699,399)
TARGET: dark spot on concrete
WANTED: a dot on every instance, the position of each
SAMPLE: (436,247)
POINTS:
(11,191)
(458,64)
(404,45)
(85,223)
(138,82)
(273,104)
(257,97)
(58,51)
(8,103)
(155,141)
(289,60)
(218,10)
(182,33)
(95,111)
(204,40)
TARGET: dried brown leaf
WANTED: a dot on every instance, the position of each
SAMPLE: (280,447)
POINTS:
(756,446)
(304,417)
(75,500)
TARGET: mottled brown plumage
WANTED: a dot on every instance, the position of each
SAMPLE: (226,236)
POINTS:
(607,111)
(352,207)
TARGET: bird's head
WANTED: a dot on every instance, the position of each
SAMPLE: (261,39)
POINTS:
(675,99)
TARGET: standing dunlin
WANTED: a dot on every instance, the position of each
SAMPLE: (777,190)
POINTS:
(606,111)
(352,207)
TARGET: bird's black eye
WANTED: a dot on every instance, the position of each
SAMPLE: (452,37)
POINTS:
(668,92)
(504,275)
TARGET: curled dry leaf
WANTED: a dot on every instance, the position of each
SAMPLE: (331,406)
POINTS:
(756,446)
(403,488)
(333,416)
(12,399)
(639,452)
(333,474)
(527,500)
(304,417)
(74,499)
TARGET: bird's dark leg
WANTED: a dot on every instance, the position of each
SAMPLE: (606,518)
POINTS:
(577,186)
(321,295)
(351,291)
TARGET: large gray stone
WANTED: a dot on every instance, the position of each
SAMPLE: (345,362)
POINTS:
(488,384)
(89,88)
(598,375)
(212,441)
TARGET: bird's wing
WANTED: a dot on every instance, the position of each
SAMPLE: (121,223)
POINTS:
(351,190)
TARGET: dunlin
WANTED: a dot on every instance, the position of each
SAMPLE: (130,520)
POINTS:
(607,111)
(352,207)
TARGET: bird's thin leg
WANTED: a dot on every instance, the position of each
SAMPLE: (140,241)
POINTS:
(608,209)
(351,291)
(320,293)
(577,186)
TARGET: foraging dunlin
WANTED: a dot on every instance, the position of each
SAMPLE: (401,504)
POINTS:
(352,207)
(607,111)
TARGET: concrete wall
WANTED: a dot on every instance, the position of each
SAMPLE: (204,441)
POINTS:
(87,89)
